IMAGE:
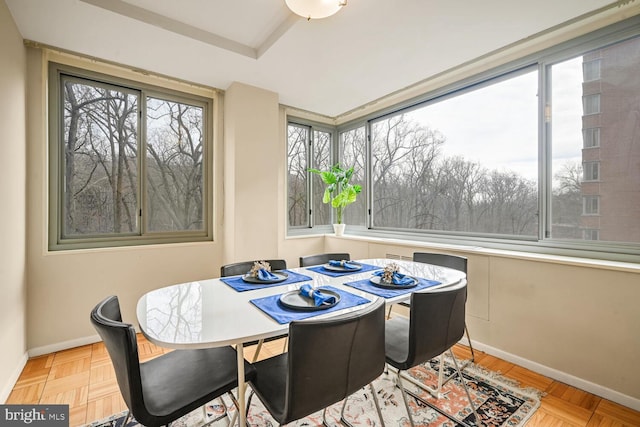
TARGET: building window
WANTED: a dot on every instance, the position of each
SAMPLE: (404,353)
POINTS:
(129,162)
(309,146)
(591,234)
(591,138)
(590,205)
(591,104)
(591,171)
(591,70)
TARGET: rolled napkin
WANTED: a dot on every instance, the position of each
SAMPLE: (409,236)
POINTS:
(264,274)
(344,264)
(318,297)
(397,278)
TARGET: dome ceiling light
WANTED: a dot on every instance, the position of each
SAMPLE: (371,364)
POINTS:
(315,9)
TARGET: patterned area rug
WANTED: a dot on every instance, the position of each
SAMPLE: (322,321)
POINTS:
(499,402)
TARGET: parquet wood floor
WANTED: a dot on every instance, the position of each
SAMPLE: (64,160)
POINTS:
(84,378)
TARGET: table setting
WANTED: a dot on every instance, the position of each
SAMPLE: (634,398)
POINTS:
(338,268)
(307,302)
(260,276)
(390,282)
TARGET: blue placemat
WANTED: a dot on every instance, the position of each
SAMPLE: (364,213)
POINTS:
(367,286)
(271,306)
(365,267)
(240,285)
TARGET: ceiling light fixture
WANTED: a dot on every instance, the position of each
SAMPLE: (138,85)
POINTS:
(315,9)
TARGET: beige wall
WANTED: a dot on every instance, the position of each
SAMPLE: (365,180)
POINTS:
(253,153)
(12,194)
(575,320)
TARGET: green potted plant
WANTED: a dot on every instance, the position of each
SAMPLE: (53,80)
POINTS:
(339,191)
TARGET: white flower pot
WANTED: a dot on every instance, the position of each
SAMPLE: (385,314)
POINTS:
(338,229)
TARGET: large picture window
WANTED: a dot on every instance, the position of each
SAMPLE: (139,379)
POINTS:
(541,153)
(129,163)
(465,163)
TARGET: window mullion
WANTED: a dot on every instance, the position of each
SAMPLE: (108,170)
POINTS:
(142,199)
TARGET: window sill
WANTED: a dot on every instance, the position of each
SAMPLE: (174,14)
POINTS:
(529,251)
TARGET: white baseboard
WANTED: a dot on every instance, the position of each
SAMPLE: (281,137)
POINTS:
(598,390)
(6,390)
(64,345)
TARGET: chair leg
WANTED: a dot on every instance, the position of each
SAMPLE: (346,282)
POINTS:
(375,401)
(126,419)
(463,364)
(404,397)
(466,389)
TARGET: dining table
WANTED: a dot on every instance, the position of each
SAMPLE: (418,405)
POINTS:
(235,311)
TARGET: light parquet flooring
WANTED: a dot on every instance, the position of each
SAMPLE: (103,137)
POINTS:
(84,379)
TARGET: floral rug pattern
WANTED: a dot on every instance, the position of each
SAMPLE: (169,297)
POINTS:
(499,402)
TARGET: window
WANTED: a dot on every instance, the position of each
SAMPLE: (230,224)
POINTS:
(591,234)
(590,205)
(104,192)
(309,146)
(591,171)
(353,152)
(609,137)
(539,153)
(455,165)
(591,104)
(591,137)
(591,70)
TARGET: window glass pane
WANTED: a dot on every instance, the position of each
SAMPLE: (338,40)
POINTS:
(591,104)
(591,137)
(353,153)
(591,171)
(100,128)
(468,163)
(321,160)
(602,202)
(175,190)
(297,141)
(591,70)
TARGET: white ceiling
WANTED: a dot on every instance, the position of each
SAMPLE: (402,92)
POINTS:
(330,66)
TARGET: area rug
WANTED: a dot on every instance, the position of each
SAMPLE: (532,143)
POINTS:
(499,402)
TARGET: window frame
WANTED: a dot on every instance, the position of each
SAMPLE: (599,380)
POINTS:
(544,243)
(56,240)
(312,127)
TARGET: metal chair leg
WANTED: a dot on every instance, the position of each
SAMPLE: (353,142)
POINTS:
(126,419)
(404,397)
(466,389)
(442,381)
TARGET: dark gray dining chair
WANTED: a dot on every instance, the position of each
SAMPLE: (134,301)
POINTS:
(317,259)
(169,386)
(243,267)
(435,324)
(454,262)
(328,360)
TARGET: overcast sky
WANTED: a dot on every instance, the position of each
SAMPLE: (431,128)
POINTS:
(497,125)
